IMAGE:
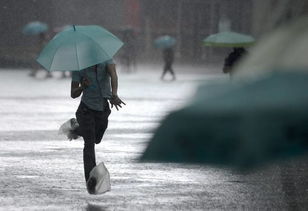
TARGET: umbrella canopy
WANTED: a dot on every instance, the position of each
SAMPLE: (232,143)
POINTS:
(79,47)
(239,126)
(229,39)
(34,28)
(284,49)
(164,42)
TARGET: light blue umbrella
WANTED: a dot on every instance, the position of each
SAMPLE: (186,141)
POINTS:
(229,39)
(79,47)
(34,28)
(164,42)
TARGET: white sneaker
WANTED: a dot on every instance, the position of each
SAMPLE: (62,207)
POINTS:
(99,180)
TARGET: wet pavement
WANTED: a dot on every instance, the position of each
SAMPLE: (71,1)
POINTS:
(40,170)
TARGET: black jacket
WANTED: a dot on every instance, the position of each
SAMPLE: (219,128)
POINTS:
(233,58)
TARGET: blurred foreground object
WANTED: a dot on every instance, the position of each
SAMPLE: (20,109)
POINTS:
(165,41)
(285,49)
(229,39)
(237,125)
(79,47)
(35,28)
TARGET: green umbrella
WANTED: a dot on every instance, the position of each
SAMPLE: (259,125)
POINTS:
(239,126)
(79,47)
(34,28)
(229,39)
(165,41)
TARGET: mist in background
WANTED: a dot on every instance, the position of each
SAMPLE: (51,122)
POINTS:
(189,21)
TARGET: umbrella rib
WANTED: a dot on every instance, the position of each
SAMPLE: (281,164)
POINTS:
(96,41)
(59,46)
(77,56)
(53,57)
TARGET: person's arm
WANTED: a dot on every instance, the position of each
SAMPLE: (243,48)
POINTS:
(115,100)
(77,88)
(114,78)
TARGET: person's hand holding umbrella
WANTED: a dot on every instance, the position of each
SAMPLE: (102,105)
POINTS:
(85,83)
(78,89)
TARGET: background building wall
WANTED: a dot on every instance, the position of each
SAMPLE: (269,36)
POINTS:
(189,21)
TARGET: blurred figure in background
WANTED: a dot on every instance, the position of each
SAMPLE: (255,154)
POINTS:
(168,56)
(42,40)
(129,50)
(232,59)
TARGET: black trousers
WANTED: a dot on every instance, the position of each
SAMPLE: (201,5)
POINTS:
(168,68)
(92,126)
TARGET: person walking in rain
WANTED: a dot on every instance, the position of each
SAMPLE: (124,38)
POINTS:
(129,50)
(97,84)
(232,59)
(168,56)
(35,67)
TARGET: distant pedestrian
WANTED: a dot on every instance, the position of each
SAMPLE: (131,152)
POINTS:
(232,59)
(168,56)
(97,84)
(42,40)
(129,50)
